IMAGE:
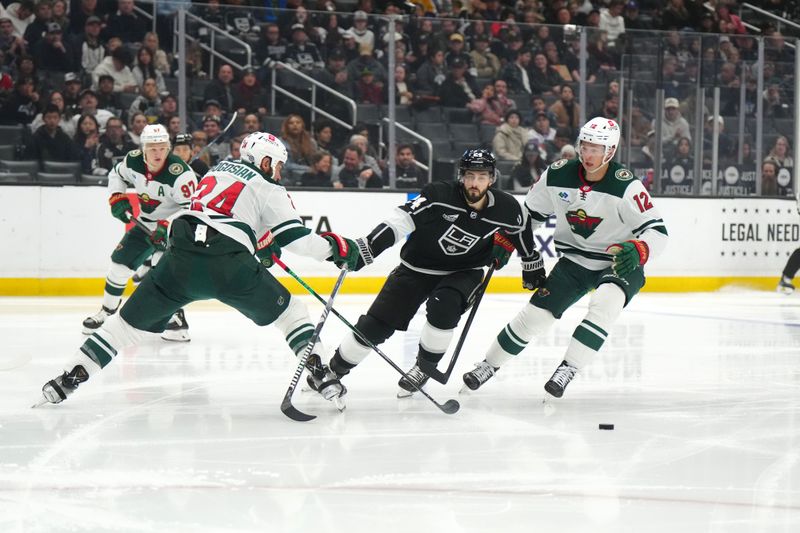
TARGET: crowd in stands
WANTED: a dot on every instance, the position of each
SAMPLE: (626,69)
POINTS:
(85,76)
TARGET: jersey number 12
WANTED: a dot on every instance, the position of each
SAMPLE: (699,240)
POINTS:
(643,201)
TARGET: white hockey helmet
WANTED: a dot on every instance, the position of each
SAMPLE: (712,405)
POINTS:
(602,131)
(153,133)
(256,146)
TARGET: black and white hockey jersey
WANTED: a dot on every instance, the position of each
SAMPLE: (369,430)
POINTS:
(446,235)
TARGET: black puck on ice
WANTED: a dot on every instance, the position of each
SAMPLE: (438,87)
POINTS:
(606,426)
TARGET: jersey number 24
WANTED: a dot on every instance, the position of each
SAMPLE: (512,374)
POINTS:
(221,203)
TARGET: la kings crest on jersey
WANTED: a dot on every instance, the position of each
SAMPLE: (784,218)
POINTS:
(591,216)
(450,236)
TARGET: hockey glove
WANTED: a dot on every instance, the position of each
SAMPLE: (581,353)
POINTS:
(501,251)
(121,206)
(159,236)
(344,251)
(533,274)
(628,256)
(266,248)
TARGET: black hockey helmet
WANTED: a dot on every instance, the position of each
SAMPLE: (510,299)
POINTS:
(477,159)
(183,139)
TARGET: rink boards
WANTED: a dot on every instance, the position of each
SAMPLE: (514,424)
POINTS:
(57,241)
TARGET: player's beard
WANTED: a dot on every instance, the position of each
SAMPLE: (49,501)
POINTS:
(474,194)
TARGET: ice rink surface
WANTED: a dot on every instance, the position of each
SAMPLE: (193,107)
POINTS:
(703,390)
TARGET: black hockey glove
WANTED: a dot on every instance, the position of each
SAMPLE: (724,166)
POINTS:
(533,274)
(266,248)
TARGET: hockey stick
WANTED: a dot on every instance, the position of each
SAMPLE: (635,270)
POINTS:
(286,405)
(429,367)
(217,138)
(449,407)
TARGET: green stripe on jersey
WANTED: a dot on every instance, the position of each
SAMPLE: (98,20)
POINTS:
(647,224)
(569,249)
(277,229)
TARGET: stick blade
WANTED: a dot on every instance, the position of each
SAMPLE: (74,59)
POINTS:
(292,412)
(433,372)
(451,407)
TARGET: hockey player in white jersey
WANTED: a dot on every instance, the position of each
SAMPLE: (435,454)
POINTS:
(210,256)
(164,184)
(607,228)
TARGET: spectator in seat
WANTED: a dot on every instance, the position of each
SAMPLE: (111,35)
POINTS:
(769,178)
(145,68)
(87,138)
(432,73)
(404,89)
(251,123)
(60,14)
(21,14)
(780,154)
(50,142)
(221,89)
(364,61)
(303,54)
(674,126)
(323,136)
(235,148)
(677,16)
(160,58)
(455,51)
(23,104)
(542,131)
(172,122)
(106,97)
(169,109)
(774,104)
(510,138)
(566,111)
(612,21)
(458,90)
(52,52)
(530,167)
(87,46)
(116,65)
(219,150)
(148,101)
(516,73)
(363,35)
(487,65)
(136,124)
(407,174)
(56,99)
(79,15)
(11,44)
(368,90)
(632,19)
(249,97)
(126,24)
(43,15)
(113,146)
(543,79)
(271,46)
(487,108)
(320,174)
(353,172)
(88,106)
(299,144)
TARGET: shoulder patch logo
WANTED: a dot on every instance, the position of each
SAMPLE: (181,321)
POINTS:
(176,169)
(135,153)
(564,195)
(558,164)
(623,174)
(450,218)
(582,224)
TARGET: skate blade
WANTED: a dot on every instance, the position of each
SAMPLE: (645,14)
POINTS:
(787,292)
(402,393)
(177,336)
(466,390)
(339,403)
(40,403)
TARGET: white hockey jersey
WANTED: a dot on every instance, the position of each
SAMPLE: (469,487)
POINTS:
(237,200)
(591,216)
(160,195)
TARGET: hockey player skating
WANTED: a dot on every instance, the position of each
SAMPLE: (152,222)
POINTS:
(211,257)
(164,184)
(181,147)
(456,228)
(606,228)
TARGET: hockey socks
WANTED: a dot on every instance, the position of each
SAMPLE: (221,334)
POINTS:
(513,338)
(587,339)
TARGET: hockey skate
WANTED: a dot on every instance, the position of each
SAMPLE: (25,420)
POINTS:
(560,379)
(177,328)
(93,323)
(785,286)
(481,374)
(57,390)
(413,376)
(325,381)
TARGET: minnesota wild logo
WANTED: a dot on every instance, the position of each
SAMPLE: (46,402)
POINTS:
(582,224)
(148,204)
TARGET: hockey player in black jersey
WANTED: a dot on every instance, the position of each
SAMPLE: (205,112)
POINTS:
(454,230)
